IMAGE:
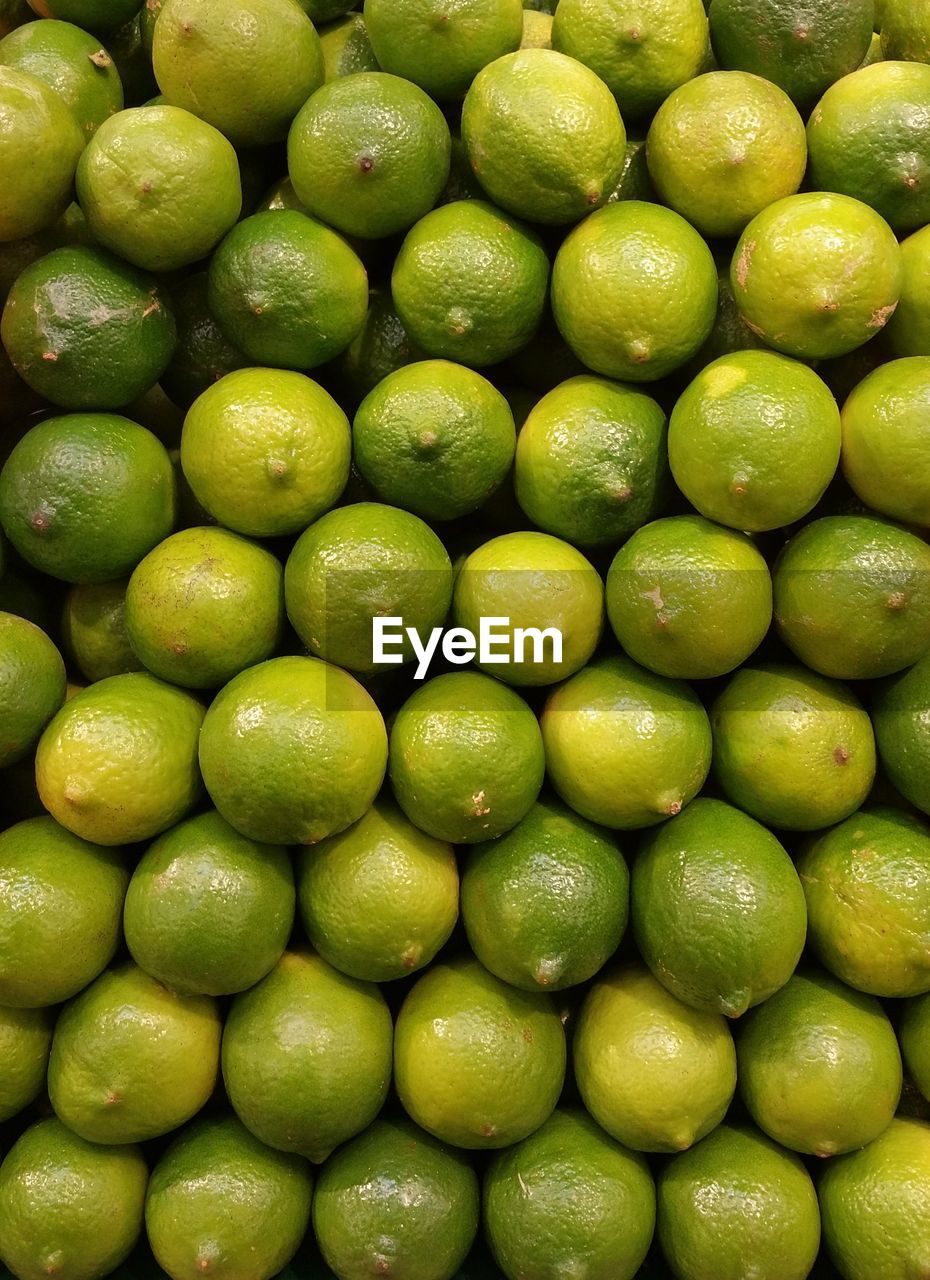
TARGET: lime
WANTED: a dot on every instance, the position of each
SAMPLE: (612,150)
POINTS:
(202,355)
(94,630)
(359,565)
(132,1060)
(133,62)
(324,10)
(537,30)
(292,751)
(791,748)
(819,1066)
(689,598)
(68,1207)
(442,47)
(118,763)
(624,747)
(466,757)
(218,1196)
(380,347)
(346,47)
(852,596)
(541,601)
(265,451)
(72,63)
(244,66)
(634,291)
(816,274)
(87,331)
(435,438)
(737,1196)
(902,731)
(307,1056)
(456,1029)
(656,1074)
(634,182)
(395,1201)
(38,156)
(569,1200)
(905,29)
(99,16)
(726,131)
(25,1037)
(32,685)
(13,13)
(209,912)
(469,283)
(914,1039)
(729,333)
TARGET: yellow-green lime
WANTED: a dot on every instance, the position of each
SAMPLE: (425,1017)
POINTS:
(655,1073)
(38,156)
(905,29)
(72,63)
(914,1038)
(93,628)
(537,30)
(902,731)
(203,354)
(99,16)
(25,1038)
(908,331)
(381,347)
(346,48)
(32,685)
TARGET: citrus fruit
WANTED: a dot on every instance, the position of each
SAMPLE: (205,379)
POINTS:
(902,731)
(202,355)
(634,291)
(68,1207)
(655,1073)
(867,884)
(717,909)
(99,16)
(874,1202)
(207,911)
(456,1030)
(61,901)
(346,47)
(537,30)
(852,596)
(32,685)
(218,1196)
(591,461)
(307,1056)
(13,13)
(469,283)
(379,899)
(689,598)
(435,438)
(369,154)
(380,347)
(754,440)
(624,747)
(792,748)
(725,131)
(293,750)
(244,66)
(118,763)
(359,564)
(569,1199)
(547,602)
(265,451)
(729,332)
(25,1037)
(94,630)
(395,1201)
(706,1226)
(905,29)
(545,905)
(908,330)
(817,275)
(286,290)
(441,48)
(72,63)
(466,757)
(324,10)
(914,1039)
(642,51)
(87,331)
(634,182)
(819,1067)
(38,156)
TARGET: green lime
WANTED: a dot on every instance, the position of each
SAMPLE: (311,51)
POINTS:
(307,1056)
(118,763)
(914,1039)
(634,291)
(324,10)
(440,47)
(219,1197)
(87,331)
(394,1201)
(380,348)
(819,1066)
(99,16)
(25,1038)
(359,565)
(852,596)
(470,282)
(537,30)
(346,47)
(265,451)
(655,1073)
(68,1207)
(791,748)
(466,757)
(207,911)
(902,731)
(726,131)
(38,156)
(244,66)
(624,747)
(634,182)
(202,355)
(94,630)
(734,1197)
(905,29)
(729,333)
(32,686)
(816,274)
(689,598)
(379,899)
(434,437)
(72,63)
(456,1028)
(13,13)
(569,1200)
(292,751)
(133,62)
